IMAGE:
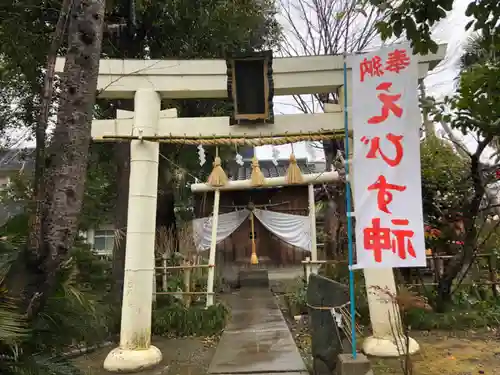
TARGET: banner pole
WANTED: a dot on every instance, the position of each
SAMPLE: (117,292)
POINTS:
(349,211)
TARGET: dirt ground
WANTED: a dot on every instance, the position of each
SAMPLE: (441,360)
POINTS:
(445,353)
(184,356)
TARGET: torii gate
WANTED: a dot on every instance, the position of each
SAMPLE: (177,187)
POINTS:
(150,81)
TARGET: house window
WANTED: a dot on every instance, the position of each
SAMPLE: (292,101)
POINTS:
(4,182)
(104,240)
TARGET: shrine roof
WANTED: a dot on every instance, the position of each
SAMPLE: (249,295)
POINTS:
(270,170)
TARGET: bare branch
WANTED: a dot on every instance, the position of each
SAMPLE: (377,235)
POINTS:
(320,27)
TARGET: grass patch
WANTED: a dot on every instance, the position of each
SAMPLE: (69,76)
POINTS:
(175,320)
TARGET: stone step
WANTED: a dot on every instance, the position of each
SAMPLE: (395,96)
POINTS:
(252,278)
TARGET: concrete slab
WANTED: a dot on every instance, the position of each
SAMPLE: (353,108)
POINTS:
(257,339)
(247,321)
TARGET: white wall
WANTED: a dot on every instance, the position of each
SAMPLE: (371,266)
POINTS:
(4,181)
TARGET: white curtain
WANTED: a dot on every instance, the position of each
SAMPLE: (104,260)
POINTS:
(228,223)
(292,229)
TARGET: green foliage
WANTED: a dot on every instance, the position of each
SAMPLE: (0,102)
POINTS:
(417,18)
(296,297)
(481,315)
(175,320)
(100,190)
(445,178)
(13,327)
(475,107)
(38,365)
(76,314)
(467,313)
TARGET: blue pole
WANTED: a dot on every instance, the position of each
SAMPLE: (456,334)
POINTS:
(349,219)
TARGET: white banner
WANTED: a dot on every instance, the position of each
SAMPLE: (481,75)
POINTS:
(228,223)
(292,229)
(386,162)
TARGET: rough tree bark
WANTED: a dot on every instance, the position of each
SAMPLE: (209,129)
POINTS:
(33,277)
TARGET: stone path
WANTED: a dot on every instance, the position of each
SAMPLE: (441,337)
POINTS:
(257,339)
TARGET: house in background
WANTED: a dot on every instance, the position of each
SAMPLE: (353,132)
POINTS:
(102,239)
(15,161)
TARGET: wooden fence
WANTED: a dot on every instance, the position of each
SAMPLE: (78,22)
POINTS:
(483,271)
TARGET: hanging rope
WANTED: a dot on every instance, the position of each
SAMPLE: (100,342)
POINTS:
(293,174)
(253,258)
(257,177)
(218,177)
(226,141)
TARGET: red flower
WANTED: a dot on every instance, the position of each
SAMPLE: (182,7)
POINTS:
(435,232)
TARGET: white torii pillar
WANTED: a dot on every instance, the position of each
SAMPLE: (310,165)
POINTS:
(384,317)
(135,351)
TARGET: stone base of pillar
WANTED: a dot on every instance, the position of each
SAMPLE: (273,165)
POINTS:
(379,347)
(121,360)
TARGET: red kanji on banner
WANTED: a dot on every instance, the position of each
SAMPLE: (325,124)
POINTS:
(389,104)
(397,61)
(384,195)
(374,142)
(377,238)
(371,67)
(402,242)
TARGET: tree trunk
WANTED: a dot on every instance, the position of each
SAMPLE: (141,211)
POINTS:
(36,212)
(458,267)
(35,278)
(443,300)
(331,229)
(165,210)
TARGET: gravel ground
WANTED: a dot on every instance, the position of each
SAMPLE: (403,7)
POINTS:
(181,356)
(299,330)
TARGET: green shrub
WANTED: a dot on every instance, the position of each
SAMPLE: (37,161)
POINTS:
(296,297)
(175,320)
(480,315)
(78,311)
(74,314)
(467,312)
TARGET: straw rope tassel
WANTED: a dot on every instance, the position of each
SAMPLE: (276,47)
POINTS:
(218,177)
(253,257)
(257,177)
(293,174)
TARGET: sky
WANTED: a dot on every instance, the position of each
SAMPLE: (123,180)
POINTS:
(440,82)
